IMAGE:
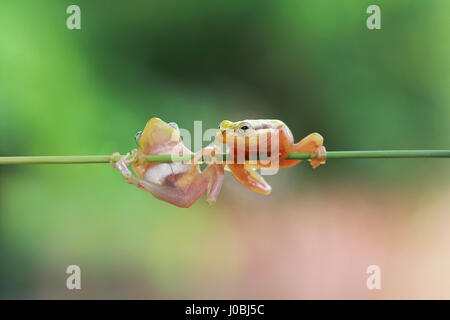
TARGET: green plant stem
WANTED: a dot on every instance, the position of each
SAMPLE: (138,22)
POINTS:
(297,155)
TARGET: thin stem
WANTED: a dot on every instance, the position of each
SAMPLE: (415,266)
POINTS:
(294,156)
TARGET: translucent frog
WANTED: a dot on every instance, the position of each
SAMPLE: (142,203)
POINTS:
(178,183)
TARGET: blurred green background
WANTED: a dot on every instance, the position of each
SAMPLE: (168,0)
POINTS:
(312,64)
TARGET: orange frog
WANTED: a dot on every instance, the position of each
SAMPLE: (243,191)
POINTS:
(271,137)
(178,183)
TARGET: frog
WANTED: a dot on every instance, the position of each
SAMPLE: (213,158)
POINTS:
(250,134)
(178,183)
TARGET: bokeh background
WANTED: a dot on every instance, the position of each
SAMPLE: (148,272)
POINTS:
(312,64)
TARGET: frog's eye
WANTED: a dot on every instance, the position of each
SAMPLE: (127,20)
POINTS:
(138,136)
(244,128)
(173,125)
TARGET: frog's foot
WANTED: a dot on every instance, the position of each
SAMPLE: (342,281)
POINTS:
(312,144)
(122,166)
(319,157)
(112,159)
(198,157)
(209,153)
(215,152)
(134,157)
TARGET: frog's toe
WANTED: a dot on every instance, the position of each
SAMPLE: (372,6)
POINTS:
(134,157)
(112,159)
(319,157)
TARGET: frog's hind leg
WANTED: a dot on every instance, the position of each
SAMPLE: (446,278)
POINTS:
(178,197)
(210,180)
(214,174)
(250,178)
(312,143)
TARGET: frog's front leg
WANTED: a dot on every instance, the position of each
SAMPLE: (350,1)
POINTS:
(122,165)
(312,143)
(213,173)
(250,178)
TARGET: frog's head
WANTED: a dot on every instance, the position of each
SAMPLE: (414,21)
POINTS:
(246,129)
(157,133)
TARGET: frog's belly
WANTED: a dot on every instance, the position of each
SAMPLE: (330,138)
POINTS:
(165,173)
